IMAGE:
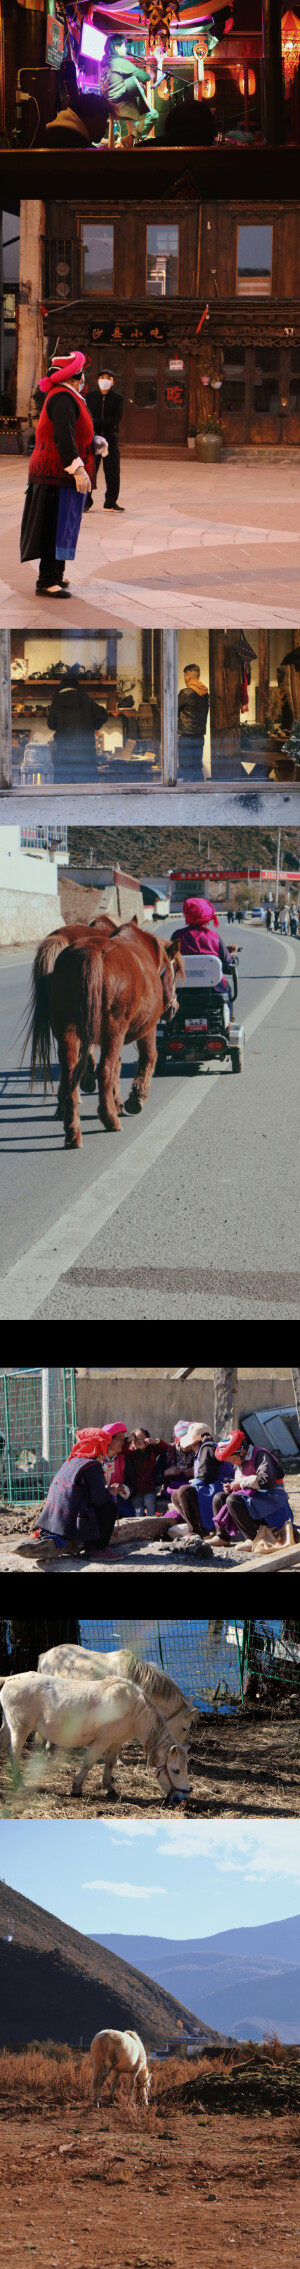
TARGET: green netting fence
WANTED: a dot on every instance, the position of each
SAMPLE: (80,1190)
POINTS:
(37,1429)
(217,1664)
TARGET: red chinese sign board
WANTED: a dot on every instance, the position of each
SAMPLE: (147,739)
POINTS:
(175,394)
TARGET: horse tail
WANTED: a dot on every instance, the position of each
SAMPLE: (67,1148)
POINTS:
(37,1025)
(89,972)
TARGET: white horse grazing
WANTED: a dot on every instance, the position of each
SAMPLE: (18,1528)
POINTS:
(120,2054)
(157,1688)
(100,1717)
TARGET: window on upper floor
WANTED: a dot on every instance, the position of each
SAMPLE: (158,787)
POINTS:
(254,259)
(97,256)
(162,259)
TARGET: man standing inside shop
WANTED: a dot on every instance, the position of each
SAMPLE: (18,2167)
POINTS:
(106,405)
(193,707)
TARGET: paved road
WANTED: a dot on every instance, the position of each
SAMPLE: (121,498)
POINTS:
(189,534)
(195,1209)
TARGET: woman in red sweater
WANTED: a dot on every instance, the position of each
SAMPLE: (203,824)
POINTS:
(61,472)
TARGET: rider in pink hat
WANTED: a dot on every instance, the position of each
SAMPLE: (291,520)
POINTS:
(201,935)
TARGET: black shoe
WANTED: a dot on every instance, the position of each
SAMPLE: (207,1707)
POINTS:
(113,507)
(58,591)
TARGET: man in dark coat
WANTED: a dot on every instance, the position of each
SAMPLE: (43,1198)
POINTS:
(193,707)
(106,406)
(75,717)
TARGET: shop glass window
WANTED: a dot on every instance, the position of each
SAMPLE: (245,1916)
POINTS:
(10,248)
(266,381)
(233,387)
(254,260)
(97,245)
(104,725)
(145,380)
(162,260)
(294,387)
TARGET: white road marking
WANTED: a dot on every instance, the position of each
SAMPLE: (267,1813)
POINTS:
(39,1269)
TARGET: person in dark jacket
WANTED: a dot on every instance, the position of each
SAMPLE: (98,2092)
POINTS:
(79,1508)
(105,405)
(75,717)
(196,1498)
(144,1466)
(193,707)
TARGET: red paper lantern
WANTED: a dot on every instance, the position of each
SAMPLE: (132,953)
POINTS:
(251,82)
(290,44)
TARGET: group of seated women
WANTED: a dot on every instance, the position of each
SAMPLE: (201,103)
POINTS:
(226,1490)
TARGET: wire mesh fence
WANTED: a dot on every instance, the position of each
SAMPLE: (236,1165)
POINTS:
(37,1429)
(214,1662)
(204,1658)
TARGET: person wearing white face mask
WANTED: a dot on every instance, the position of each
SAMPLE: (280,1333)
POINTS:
(106,405)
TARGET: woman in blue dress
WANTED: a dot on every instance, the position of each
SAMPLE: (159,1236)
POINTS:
(195,1498)
(255,1497)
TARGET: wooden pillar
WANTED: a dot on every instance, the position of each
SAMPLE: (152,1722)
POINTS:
(169,716)
(224,704)
(5,710)
(272,71)
(147,663)
(295,679)
(264,675)
(30,337)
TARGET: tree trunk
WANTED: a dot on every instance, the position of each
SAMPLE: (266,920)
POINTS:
(225,1401)
(296,1386)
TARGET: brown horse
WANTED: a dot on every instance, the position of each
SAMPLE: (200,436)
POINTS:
(104,994)
(73,933)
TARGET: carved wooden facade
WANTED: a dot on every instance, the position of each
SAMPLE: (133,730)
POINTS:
(250,343)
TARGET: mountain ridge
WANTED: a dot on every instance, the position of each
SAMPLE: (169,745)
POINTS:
(58,1983)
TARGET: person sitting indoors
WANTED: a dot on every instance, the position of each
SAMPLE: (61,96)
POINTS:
(201,935)
(80,1510)
(187,122)
(122,85)
(143,1468)
(195,1499)
(255,1499)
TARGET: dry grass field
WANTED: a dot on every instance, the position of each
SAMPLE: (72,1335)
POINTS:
(192,2182)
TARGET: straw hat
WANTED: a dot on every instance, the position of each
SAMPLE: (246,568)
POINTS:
(194,1436)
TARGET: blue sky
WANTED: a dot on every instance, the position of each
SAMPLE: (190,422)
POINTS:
(175,1878)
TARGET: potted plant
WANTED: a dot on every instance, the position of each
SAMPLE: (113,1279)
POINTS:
(209,440)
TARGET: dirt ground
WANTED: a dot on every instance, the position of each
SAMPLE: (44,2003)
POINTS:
(155,2192)
(246,1765)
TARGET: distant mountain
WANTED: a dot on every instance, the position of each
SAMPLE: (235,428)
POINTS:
(56,1984)
(245,1982)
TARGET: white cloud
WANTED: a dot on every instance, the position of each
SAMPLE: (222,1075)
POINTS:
(128,1890)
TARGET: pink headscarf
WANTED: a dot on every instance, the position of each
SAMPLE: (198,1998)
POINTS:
(93,1441)
(199,937)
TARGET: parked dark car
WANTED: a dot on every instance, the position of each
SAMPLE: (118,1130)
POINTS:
(276,1429)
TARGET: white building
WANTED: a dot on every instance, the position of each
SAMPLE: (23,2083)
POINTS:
(29,898)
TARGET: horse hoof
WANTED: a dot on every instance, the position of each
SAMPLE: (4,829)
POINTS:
(73,1142)
(133,1102)
(112,1126)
